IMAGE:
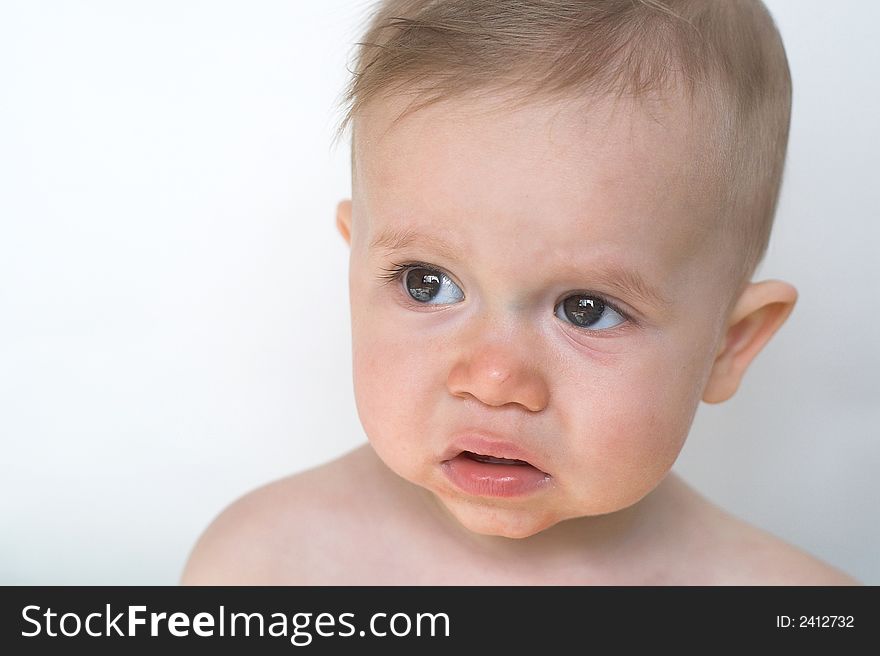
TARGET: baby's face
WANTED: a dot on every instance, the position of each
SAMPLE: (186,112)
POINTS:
(537,299)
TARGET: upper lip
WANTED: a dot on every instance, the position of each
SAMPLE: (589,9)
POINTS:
(487,443)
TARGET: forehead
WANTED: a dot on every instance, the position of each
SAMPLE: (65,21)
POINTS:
(611,176)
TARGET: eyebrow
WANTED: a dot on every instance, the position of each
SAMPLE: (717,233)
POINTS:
(627,281)
(391,240)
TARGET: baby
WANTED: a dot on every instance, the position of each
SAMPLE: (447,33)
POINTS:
(557,209)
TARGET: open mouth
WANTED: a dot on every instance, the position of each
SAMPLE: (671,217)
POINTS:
(492,460)
(486,475)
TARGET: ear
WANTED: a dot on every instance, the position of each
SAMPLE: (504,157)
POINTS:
(761,309)
(343,219)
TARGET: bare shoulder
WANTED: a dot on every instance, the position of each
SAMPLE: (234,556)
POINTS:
(756,557)
(279,533)
(735,552)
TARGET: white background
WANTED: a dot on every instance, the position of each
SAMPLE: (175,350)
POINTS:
(174,323)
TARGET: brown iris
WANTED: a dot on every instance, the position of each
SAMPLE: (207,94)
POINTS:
(422,284)
(583,310)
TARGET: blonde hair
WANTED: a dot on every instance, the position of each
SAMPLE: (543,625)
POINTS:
(727,54)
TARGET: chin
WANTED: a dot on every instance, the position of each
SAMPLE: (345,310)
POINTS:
(500,522)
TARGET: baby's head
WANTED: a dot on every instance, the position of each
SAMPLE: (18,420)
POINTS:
(557,209)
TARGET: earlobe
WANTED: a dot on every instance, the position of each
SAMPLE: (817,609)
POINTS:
(343,219)
(760,311)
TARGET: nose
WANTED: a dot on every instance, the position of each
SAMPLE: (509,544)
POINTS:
(496,374)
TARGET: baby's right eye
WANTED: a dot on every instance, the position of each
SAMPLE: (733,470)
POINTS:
(425,285)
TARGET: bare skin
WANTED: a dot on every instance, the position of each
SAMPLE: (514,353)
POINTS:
(515,211)
(354,522)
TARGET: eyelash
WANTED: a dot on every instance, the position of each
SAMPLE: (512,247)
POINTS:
(397,270)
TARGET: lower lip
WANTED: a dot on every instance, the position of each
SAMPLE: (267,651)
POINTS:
(489,480)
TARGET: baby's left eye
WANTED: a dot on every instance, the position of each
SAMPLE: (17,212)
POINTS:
(587,311)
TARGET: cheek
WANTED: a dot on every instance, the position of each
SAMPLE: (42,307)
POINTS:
(635,425)
(649,433)
(393,387)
